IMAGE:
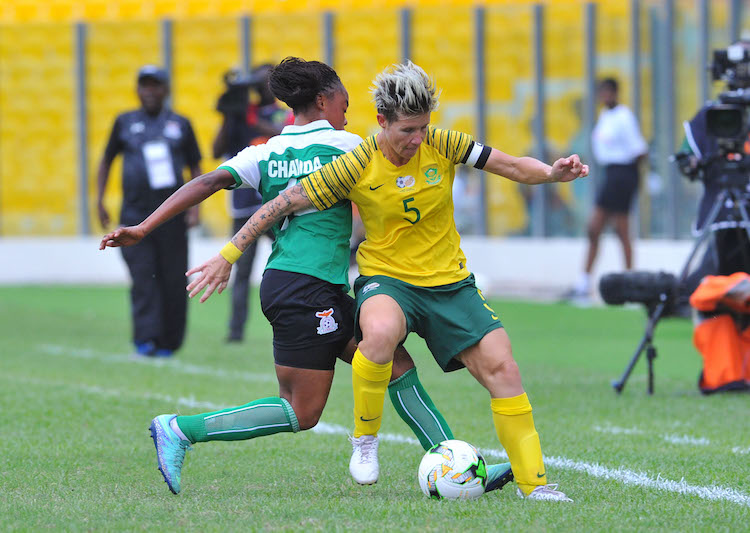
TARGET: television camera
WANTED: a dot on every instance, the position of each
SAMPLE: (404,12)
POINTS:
(726,121)
(238,85)
(725,171)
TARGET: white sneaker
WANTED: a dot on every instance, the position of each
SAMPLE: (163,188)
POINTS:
(546,492)
(364,466)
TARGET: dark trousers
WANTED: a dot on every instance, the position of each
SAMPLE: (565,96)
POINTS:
(241,286)
(158,297)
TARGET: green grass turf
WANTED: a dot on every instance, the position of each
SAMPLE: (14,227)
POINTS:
(75,452)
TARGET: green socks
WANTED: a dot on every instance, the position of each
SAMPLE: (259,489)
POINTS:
(255,419)
(415,407)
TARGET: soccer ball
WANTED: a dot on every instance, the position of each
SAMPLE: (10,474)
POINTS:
(454,470)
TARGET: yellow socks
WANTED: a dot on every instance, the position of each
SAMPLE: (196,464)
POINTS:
(369,383)
(515,429)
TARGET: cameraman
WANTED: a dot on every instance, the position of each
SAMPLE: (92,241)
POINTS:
(731,247)
(246,122)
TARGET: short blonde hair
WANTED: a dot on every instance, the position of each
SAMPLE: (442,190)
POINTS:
(404,89)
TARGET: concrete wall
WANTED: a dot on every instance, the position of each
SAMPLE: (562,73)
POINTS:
(525,268)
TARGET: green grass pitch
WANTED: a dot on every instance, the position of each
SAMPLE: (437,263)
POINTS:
(75,452)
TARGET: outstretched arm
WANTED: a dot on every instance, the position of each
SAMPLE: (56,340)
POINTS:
(287,202)
(190,194)
(214,273)
(532,171)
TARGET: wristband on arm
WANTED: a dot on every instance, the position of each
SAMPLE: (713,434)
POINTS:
(230,252)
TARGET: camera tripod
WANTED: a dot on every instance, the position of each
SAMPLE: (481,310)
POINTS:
(729,196)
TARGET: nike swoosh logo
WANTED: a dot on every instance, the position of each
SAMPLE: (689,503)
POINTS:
(368,419)
(541,475)
(376,188)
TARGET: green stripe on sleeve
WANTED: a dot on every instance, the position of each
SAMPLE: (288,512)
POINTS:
(237,180)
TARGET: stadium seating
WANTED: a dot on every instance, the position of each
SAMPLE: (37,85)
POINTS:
(38,131)
(205,49)
(38,113)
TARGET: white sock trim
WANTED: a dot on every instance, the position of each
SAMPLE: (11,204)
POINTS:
(176,428)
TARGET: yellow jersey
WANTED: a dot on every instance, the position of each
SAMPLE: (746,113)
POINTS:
(407,211)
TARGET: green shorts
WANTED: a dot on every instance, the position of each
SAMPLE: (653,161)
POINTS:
(450,318)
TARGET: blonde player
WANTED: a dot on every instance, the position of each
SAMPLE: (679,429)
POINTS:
(413,274)
(304,287)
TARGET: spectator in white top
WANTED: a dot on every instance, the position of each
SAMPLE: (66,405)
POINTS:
(618,148)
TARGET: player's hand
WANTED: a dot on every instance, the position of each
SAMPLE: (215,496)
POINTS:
(568,169)
(127,236)
(213,276)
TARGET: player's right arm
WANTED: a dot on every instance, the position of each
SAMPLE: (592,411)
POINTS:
(321,189)
(333,183)
(189,195)
(214,273)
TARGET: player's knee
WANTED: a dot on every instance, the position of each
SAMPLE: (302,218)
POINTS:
(306,417)
(379,336)
(502,371)
(308,422)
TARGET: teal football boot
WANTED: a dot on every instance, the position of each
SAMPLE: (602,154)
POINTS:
(498,476)
(170,450)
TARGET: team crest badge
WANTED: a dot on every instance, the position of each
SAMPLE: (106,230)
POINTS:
(405,181)
(432,177)
(370,286)
(327,323)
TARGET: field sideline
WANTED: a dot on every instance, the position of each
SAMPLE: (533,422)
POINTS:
(75,452)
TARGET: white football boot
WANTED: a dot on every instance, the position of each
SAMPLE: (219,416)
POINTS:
(364,466)
(546,493)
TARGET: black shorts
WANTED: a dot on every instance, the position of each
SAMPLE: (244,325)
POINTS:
(312,320)
(618,190)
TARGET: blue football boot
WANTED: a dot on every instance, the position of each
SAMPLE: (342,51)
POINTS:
(170,450)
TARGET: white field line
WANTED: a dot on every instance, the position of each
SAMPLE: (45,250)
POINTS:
(615,430)
(740,451)
(157,362)
(621,474)
(673,439)
(686,439)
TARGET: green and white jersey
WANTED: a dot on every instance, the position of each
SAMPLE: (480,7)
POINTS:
(312,242)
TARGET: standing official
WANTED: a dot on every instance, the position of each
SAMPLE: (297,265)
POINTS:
(618,147)
(156,145)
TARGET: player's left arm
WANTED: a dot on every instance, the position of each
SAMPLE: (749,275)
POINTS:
(532,171)
(461,148)
(190,194)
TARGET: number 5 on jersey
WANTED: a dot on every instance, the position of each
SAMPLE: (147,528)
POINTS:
(408,209)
